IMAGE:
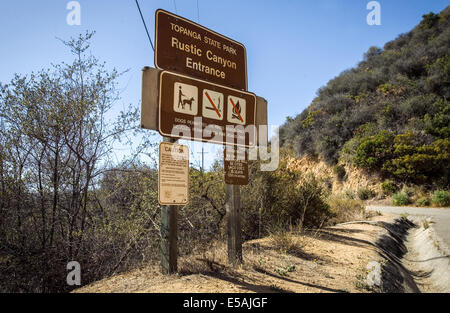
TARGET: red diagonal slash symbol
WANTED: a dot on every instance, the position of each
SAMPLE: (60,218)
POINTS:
(212,103)
(237,111)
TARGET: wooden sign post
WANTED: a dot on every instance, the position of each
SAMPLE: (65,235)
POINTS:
(169,238)
(236,174)
(233,211)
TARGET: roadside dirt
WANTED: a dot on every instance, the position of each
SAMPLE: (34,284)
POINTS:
(332,260)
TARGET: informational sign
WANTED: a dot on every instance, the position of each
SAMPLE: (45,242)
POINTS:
(150,104)
(185,47)
(194,109)
(173,178)
(236,169)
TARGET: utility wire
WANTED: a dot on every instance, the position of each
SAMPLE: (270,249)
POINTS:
(143,21)
(198,14)
(175,5)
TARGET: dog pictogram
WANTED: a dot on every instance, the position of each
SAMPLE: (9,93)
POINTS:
(188,101)
(185,98)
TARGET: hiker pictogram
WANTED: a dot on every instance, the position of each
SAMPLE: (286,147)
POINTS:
(212,104)
(236,110)
(185,99)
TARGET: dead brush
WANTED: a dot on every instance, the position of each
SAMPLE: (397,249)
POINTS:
(284,241)
(203,260)
(344,209)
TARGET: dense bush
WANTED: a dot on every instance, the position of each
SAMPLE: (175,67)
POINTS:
(339,171)
(405,157)
(373,151)
(423,201)
(401,198)
(282,198)
(388,187)
(441,198)
(56,137)
(365,193)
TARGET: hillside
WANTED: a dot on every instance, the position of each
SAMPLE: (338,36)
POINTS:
(390,115)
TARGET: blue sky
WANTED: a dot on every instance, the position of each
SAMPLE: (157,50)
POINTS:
(293,46)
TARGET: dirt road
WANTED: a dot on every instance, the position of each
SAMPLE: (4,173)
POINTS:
(440,217)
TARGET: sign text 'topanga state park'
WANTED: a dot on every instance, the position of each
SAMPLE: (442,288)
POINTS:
(185,47)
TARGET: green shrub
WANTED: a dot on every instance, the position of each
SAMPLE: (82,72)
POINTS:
(410,191)
(417,162)
(373,151)
(365,193)
(424,201)
(388,187)
(339,171)
(400,198)
(441,198)
(429,20)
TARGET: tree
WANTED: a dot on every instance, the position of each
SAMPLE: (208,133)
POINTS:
(55,143)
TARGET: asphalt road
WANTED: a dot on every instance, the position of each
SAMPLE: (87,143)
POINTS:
(441,217)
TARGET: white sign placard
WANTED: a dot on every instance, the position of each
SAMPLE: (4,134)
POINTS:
(173,178)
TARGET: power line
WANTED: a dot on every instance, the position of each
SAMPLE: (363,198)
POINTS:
(175,5)
(143,21)
(198,14)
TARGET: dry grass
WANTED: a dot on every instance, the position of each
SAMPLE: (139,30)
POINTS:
(319,261)
(345,209)
(284,240)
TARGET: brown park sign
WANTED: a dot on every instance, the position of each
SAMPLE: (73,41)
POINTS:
(194,109)
(150,104)
(185,47)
